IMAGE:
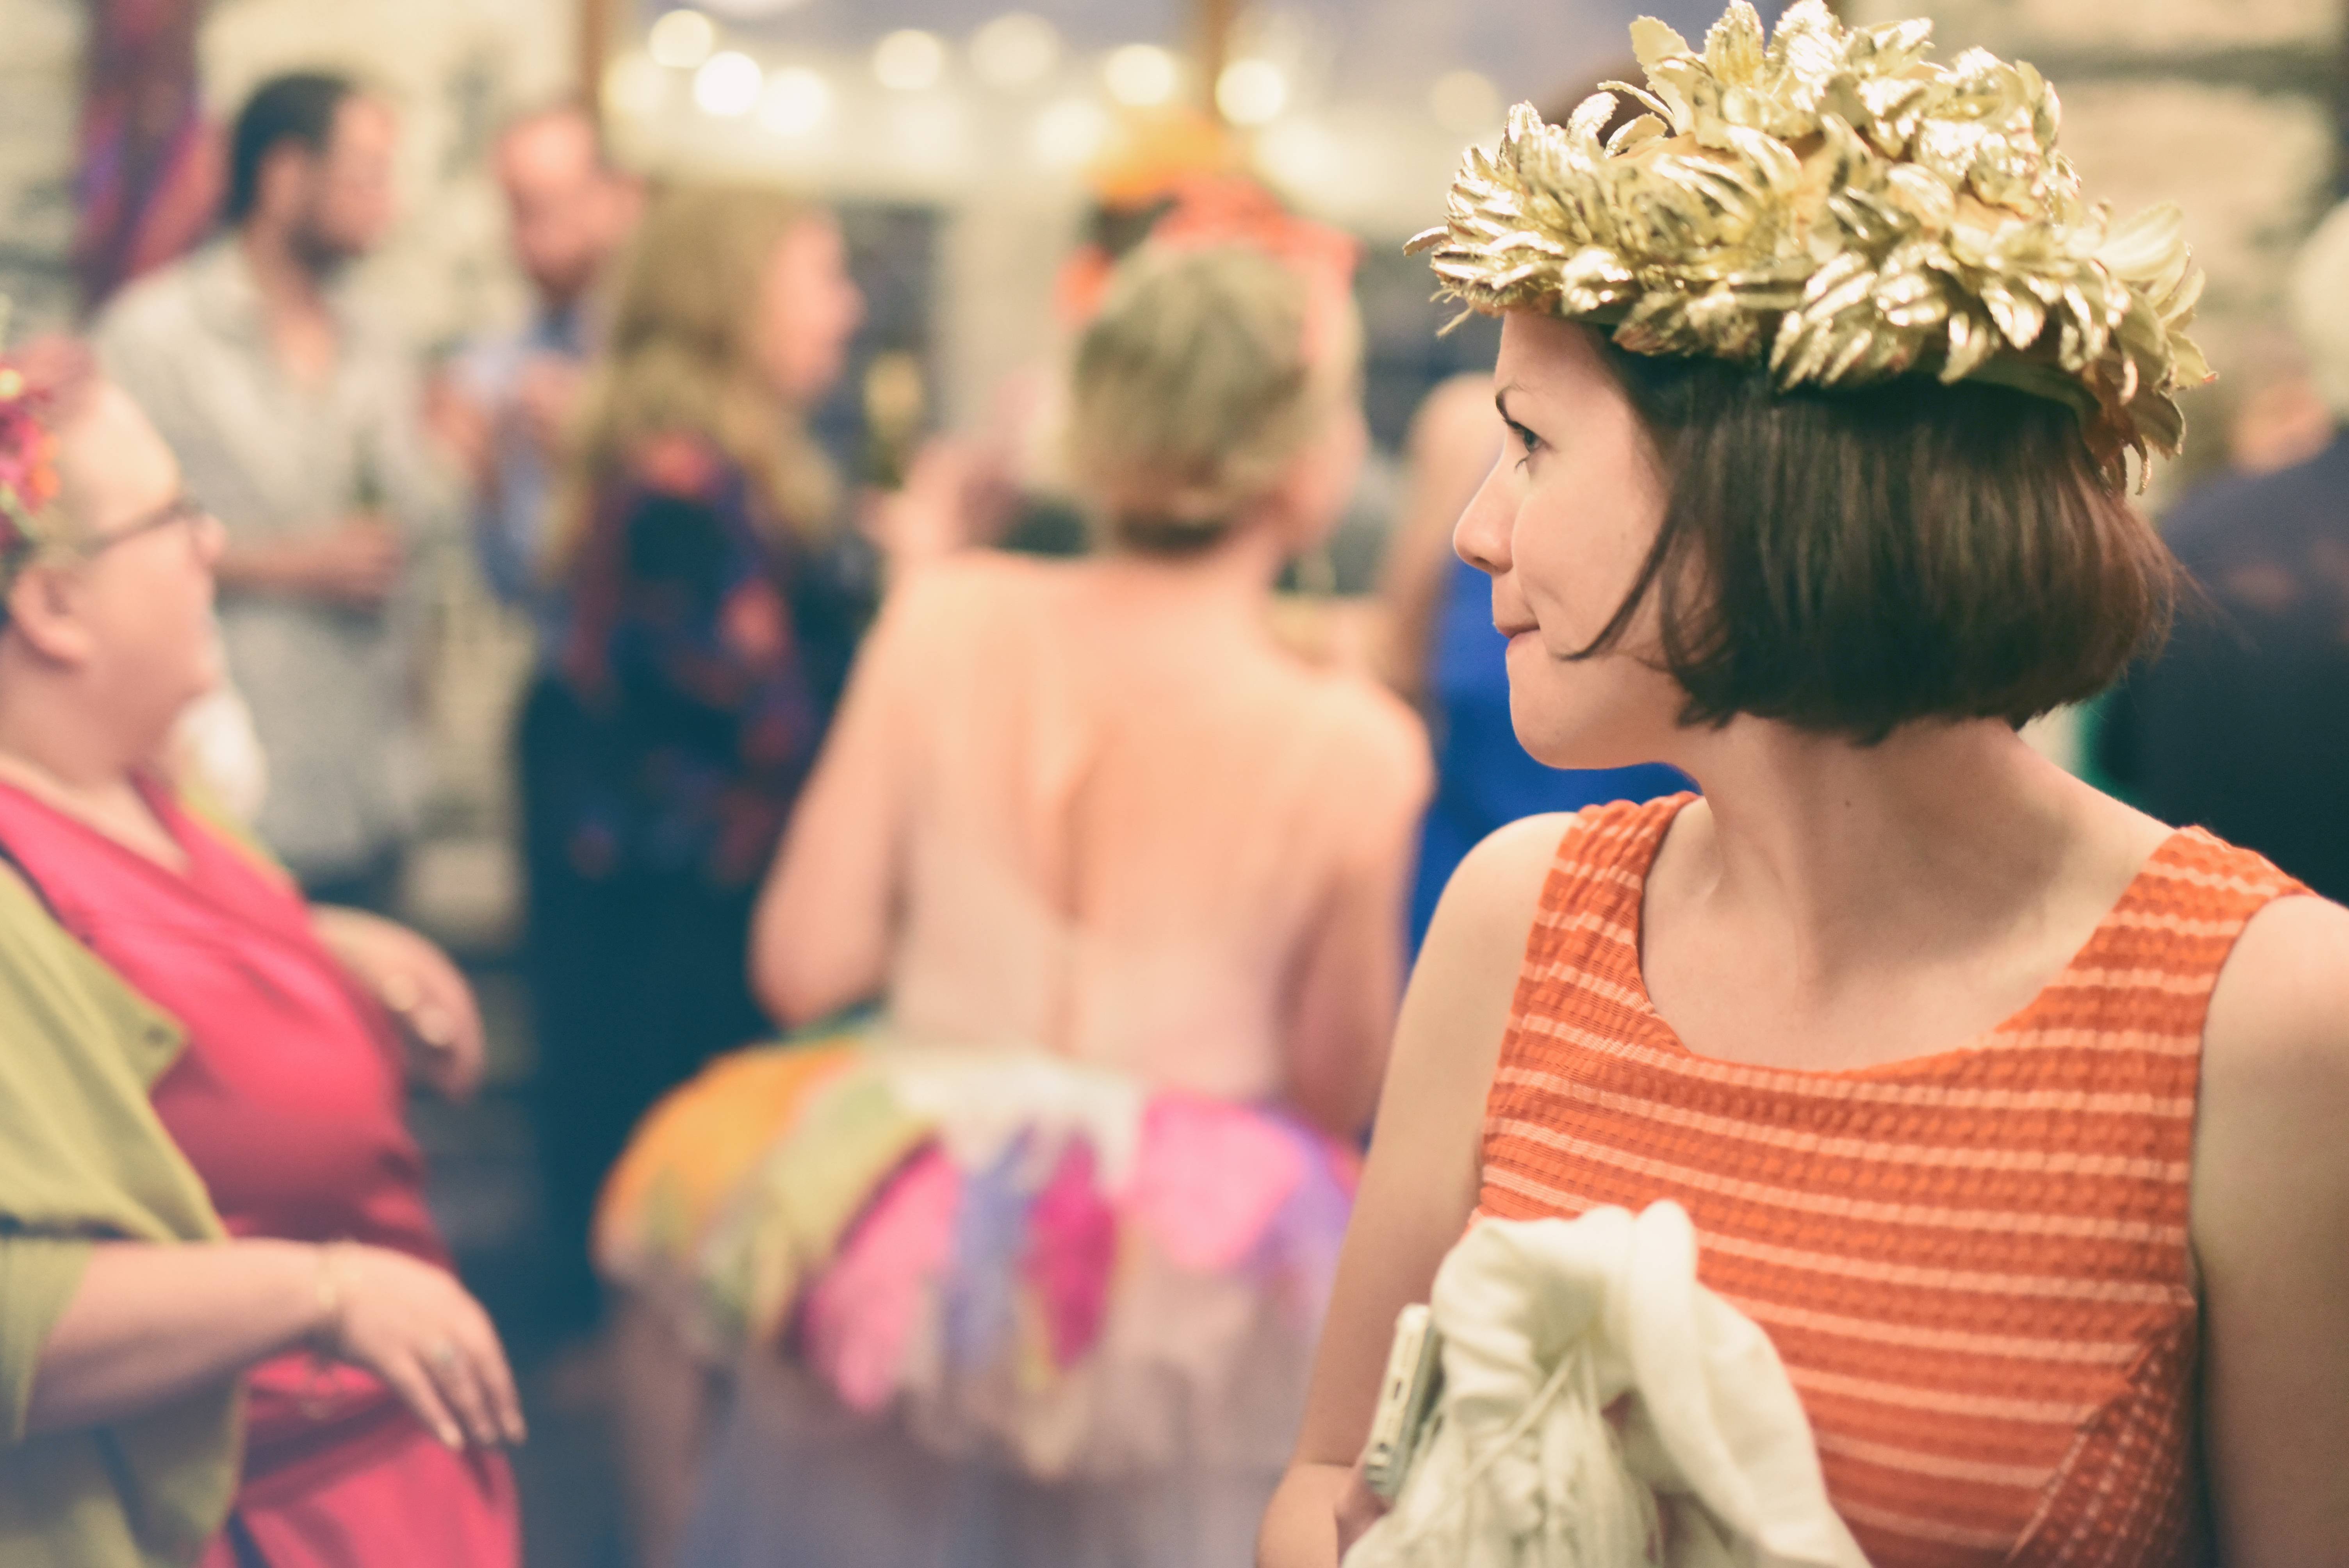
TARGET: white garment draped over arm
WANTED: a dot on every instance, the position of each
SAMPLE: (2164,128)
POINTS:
(1547,1324)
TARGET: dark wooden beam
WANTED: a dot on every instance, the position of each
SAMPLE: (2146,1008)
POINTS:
(1213,21)
(594,50)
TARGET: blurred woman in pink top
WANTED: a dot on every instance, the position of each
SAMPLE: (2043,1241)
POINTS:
(1044,1248)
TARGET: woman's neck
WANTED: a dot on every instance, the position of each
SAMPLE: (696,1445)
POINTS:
(1239,568)
(1940,834)
(48,749)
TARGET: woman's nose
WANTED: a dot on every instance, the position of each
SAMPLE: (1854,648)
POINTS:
(1481,537)
(212,539)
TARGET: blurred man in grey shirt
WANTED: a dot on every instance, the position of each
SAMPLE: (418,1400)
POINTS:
(296,419)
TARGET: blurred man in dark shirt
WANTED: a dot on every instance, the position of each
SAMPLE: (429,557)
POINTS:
(2242,725)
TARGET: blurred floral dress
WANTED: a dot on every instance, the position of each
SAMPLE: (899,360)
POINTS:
(707,647)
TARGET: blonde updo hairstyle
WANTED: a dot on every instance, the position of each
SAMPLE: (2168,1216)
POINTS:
(1204,375)
(681,356)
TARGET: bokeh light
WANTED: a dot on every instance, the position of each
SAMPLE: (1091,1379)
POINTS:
(728,85)
(1015,51)
(1142,75)
(1252,92)
(1069,133)
(682,39)
(910,60)
(797,100)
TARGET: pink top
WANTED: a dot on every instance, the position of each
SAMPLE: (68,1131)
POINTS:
(289,1101)
(1124,824)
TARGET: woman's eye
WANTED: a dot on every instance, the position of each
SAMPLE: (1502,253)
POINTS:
(1526,440)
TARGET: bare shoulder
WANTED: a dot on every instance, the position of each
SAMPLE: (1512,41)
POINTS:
(971,588)
(2281,1003)
(2275,1076)
(2270,1202)
(1377,739)
(1467,969)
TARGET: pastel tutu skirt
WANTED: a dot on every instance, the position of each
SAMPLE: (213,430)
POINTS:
(1020,1267)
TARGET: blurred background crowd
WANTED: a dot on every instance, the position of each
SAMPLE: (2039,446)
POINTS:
(403,283)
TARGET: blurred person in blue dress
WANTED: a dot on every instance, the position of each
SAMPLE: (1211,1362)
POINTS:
(1440,651)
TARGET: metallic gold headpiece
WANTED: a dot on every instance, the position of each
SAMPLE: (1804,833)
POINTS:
(1842,209)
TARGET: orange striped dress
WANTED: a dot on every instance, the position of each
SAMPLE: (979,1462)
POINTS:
(1974,1264)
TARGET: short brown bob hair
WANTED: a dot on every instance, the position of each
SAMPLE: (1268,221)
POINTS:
(1849,562)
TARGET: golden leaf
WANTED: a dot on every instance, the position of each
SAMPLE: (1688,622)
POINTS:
(1833,194)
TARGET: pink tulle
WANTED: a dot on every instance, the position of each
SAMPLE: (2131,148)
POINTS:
(1210,1177)
(1072,1255)
(860,1316)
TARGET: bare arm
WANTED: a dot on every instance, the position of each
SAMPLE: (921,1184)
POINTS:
(1424,1169)
(356,563)
(2270,1210)
(149,1324)
(421,987)
(1344,1008)
(826,919)
(1454,440)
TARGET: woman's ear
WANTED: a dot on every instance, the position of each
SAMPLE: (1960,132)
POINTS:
(42,611)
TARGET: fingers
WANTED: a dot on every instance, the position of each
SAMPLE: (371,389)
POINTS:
(498,1384)
(421,1394)
(454,1373)
(472,1370)
(415,1327)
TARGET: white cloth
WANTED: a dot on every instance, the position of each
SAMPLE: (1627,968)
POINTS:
(215,743)
(1547,1324)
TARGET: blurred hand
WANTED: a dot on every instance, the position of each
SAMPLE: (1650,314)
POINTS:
(933,515)
(356,563)
(424,990)
(414,1326)
(463,427)
(544,396)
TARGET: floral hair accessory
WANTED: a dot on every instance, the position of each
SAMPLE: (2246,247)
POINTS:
(28,465)
(1839,209)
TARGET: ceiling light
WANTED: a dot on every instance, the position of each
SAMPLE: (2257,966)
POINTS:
(682,39)
(796,101)
(1068,134)
(728,85)
(1015,51)
(1141,76)
(910,60)
(1251,92)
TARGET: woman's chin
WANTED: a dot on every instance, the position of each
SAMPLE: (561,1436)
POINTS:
(1571,742)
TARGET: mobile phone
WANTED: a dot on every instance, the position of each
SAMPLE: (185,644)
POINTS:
(1414,1376)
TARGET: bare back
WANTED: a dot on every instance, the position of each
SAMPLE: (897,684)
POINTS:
(1124,825)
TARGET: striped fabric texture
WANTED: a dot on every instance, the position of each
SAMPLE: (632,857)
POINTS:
(1974,1264)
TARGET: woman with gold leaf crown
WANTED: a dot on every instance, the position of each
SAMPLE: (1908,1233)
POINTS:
(1028,1272)
(2009,1114)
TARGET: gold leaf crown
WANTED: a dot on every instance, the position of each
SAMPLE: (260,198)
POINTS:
(1843,210)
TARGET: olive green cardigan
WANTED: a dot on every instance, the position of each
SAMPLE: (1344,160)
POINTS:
(83,1157)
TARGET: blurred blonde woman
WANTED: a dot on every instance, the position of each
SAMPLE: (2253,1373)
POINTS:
(713,606)
(1029,1274)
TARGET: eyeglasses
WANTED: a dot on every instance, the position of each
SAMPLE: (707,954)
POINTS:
(181,508)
